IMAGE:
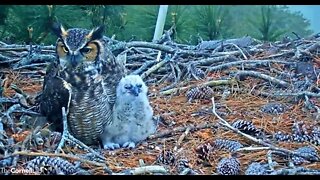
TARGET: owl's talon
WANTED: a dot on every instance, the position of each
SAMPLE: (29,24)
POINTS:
(129,145)
(111,146)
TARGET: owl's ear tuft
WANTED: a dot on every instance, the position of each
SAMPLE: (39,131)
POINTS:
(59,30)
(98,32)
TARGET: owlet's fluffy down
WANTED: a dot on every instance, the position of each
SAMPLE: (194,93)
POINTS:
(132,115)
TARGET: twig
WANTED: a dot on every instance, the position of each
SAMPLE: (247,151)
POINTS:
(143,67)
(298,37)
(146,170)
(153,68)
(262,76)
(210,83)
(245,57)
(211,60)
(313,47)
(259,62)
(10,121)
(182,129)
(31,66)
(29,137)
(188,171)
(26,153)
(272,147)
(297,94)
(16,47)
(296,171)
(8,100)
(269,159)
(279,54)
(164,48)
(181,138)
(252,149)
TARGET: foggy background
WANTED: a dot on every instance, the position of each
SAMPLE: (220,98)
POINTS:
(311,12)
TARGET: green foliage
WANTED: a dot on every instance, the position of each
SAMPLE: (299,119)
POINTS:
(213,21)
(112,17)
(273,22)
(179,17)
(141,22)
(3,13)
(25,23)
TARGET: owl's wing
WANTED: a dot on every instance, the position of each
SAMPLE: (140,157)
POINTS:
(112,70)
(56,93)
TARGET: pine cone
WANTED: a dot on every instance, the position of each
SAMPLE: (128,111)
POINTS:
(202,92)
(279,136)
(273,108)
(204,150)
(229,166)
(182,165)
(307,151)
(227,144)
(316,131)
(299,128)
(300,134)
(166,157)
(199,73)
(256,169)
(297,138)
(51,166)
(246,127)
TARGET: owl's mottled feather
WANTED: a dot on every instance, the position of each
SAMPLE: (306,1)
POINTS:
(132,119)
(92,72)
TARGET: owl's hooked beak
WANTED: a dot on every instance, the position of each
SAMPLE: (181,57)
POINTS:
(135,90)
(75,59)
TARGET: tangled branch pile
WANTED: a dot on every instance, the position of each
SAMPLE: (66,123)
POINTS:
(263,119)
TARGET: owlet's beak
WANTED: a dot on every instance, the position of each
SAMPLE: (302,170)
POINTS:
(135,90)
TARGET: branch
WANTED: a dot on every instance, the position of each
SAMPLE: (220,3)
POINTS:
(144,170)
(296,171)
(252,149)
(297,94)
(30,66)
(182,129)
(153,68)
(160,47)
(262,76)
(211,60)
(258,62)
(258,141)
(8,100)
(181,138)
(26,153)
(143,67)
(210,83)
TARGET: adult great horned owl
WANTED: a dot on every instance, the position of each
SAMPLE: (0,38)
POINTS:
(132,115)
(83,80)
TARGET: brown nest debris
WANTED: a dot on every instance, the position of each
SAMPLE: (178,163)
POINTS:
(228,107)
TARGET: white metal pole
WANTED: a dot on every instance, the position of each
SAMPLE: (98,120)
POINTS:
(160,22)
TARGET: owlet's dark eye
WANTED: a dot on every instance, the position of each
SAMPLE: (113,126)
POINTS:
(128,86)
(139,85)
(86,50)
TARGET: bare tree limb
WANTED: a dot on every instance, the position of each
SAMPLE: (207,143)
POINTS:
(259,62)
(262,76)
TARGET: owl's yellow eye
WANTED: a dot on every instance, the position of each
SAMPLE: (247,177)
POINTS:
(90,52)
(61,49)
(86,50)
(64,49)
